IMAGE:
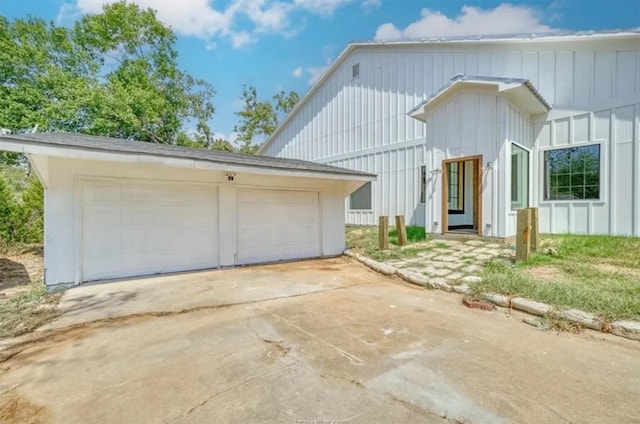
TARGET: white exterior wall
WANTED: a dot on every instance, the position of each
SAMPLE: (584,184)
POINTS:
(519,130)
(618,209)
(63,200)
(362,123)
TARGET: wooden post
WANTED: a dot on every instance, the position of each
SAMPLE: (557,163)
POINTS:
(535,236)
(401,229)
(383,234)
(523,235)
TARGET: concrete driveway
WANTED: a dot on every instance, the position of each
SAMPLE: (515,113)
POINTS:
(316,340)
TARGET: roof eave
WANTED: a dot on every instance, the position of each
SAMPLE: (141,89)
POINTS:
(30,147)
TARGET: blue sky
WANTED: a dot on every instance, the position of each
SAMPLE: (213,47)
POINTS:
(286,44)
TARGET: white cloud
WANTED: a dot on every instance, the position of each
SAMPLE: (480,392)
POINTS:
(239,22)
(504,19)
(297,73)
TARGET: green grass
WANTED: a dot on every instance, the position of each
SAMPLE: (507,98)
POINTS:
(598,274)
(365,240)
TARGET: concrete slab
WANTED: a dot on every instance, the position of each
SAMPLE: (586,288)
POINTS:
(317,340)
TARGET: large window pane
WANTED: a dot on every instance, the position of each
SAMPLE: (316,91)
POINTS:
(455,180)
(519,177)
(572,173)
(361,198)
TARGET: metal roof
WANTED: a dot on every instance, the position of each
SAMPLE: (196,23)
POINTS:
(482,79)
(115,145)
(514,38)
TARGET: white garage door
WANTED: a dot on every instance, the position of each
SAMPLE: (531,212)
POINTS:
(136,228)
(277,225)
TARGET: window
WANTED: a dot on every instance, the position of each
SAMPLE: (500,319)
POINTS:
(572,173)
(360,200)
(519,177)
(355,71)
(455,180)
(423,184)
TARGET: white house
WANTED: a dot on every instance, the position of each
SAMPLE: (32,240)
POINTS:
(116,208)
(463,131)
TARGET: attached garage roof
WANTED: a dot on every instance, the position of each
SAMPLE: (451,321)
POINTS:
(83,142)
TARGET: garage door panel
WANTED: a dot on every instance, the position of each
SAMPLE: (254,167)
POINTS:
(144,230)
(277,225)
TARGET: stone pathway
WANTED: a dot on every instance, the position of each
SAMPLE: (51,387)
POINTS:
(453,262)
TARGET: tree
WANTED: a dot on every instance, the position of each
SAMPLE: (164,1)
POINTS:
(7,211)
(259,119)
(112,74)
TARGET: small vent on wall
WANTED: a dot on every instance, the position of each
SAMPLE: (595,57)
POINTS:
(355,71)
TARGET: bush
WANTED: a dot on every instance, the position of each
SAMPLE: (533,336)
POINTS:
(21,214)
(31,214)
(8,212)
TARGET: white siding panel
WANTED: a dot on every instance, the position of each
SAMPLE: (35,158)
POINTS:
(580,218)
(587,82)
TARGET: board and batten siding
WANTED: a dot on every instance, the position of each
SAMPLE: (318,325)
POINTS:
(618,209)
(362,122)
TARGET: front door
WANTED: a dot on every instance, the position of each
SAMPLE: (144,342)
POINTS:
(461,195)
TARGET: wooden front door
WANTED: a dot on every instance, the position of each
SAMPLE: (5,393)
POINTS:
(451,168)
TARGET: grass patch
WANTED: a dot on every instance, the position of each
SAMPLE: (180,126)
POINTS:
(365,240)
(598,274)
(27,311)
(414,234)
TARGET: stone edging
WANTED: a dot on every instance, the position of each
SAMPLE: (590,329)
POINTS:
(627,329)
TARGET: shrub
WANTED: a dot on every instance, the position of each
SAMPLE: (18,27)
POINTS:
(8,212)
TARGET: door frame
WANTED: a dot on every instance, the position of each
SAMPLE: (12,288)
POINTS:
(477,191)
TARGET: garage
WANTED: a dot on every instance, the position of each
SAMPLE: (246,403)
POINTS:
(277,225)
(132,228)
(121,208)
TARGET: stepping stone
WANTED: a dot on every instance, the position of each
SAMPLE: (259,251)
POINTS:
(483,257)
(436,264)
(453,265)
(472,279)
(446,258)
(426,255)
(471,269)
(442,272)
(454,276)
(474,243)
(494,246)
(493,252)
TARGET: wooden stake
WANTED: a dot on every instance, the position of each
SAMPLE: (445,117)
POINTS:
(383,235)
(523,235)
(401,229)
(535,236)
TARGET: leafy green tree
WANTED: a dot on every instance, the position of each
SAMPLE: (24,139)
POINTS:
(112,74)
(259,119)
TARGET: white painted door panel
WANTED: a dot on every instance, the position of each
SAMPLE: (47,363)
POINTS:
(138,228)
(277,225)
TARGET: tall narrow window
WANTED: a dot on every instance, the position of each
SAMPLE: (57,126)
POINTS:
(455,178)
(519,177)
(572,173)
(355,71)
(361,198)
(423,184)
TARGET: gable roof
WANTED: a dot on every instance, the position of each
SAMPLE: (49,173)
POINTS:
(81,142)
(462,40)
(503,84)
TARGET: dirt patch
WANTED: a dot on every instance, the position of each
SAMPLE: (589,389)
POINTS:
(546,274)
(19,410)
(19,268)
